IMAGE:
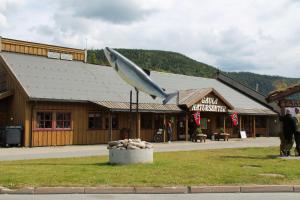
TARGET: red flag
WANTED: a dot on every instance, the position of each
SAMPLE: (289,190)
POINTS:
(234,118)
(197,118)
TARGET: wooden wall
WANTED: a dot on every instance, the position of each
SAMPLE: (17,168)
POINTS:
(79,133)
(38,49)
(17,105)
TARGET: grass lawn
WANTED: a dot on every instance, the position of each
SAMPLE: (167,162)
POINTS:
(207,167)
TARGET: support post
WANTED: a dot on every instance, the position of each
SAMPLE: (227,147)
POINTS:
(224,123)
(165,127)
(268,128)
(139,125)
(137,114)
(254,127)
(110,125)
(186,126)
(240,122)
(130,117)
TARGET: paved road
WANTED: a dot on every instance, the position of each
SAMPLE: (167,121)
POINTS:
(96,150)
(216,196)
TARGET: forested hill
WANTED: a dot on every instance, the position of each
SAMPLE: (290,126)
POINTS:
(180,64)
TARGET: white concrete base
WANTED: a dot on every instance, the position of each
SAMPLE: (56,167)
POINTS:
(131,156)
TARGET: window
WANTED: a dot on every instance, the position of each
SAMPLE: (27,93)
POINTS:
(146,121)
(44,119)
(63,120)
(115,122)
(94,121)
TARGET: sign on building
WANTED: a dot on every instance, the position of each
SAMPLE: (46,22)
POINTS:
(209,104)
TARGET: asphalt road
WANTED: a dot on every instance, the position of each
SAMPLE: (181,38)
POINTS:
(205,196)
(98,150)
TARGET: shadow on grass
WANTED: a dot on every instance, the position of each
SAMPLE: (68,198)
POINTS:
(268,157)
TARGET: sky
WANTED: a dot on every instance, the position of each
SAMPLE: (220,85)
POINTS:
(260,36)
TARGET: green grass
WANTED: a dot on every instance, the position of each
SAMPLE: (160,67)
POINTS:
(208,167)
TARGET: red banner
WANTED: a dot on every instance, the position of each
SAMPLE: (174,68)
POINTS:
(197,118)
(234,118)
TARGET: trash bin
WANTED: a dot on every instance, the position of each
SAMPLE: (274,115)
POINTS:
(11,135)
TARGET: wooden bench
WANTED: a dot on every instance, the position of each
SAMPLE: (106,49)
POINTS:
(201,137)
(224,136)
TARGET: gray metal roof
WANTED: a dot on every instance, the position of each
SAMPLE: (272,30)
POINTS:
(44,78)
(143,107)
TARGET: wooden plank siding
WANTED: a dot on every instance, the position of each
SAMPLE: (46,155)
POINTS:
(17,105)
(31,48)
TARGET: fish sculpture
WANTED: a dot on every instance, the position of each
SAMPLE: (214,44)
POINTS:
(135,76)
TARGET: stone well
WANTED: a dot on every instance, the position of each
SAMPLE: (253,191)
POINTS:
(130,151)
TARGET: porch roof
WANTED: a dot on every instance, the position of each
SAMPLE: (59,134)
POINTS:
(143,107)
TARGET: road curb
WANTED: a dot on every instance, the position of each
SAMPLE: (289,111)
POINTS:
(109,190)
(267,188)
(59,190)
(25,190)
(153,190)
(161,190)
(215,189)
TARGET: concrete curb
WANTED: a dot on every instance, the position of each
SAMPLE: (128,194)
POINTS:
(215,189)
(59,190)
(161,190)
(109,190)
(153,190)
(267,188)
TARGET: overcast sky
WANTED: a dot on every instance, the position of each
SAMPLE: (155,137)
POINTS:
(261,36)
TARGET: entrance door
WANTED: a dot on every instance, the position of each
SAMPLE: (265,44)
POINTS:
(181,127)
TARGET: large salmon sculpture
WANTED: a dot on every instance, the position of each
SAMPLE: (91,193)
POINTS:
(135,76)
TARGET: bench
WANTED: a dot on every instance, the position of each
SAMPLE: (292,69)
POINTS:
(201,137)
(224,136)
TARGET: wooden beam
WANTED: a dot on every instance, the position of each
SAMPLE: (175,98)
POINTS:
(278,95)
(224,123)
(186,126)
(254,127)
(165,127)
(5,94)
(110,125)
(139,125)
(240,122)
(268,128)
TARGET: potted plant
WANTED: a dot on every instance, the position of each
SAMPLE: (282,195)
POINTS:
(199,131)
(221,130)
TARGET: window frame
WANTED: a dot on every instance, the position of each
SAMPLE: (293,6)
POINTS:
(37,122)
(101,120)
(114,115)
(55,121)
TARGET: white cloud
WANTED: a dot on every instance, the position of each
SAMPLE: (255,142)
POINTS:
(261,36)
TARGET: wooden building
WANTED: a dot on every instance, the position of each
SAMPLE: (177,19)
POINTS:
(59,99)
